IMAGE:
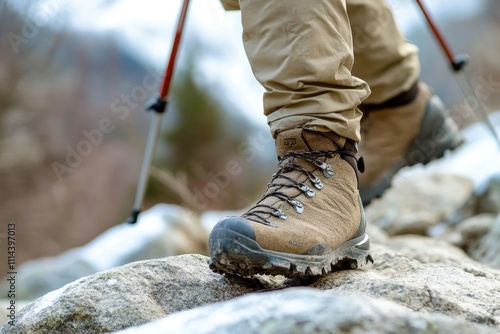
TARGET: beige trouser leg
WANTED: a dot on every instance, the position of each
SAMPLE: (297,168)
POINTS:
(383,58)
(301,52)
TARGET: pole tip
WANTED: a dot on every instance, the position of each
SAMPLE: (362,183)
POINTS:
(133,216)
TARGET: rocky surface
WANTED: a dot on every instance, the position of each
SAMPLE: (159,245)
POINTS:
(416,204)
(413,273)
(127,296)
(6,307)
(444,206)
(286,312)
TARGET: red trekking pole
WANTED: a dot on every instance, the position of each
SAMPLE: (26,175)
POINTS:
(159,106)
(457,64)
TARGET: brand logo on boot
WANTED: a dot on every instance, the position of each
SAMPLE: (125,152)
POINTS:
(295,243)
(290,142)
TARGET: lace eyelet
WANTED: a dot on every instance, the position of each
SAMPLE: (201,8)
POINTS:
(299,208)
(307,191)
(328,172)
(280,214)
(327,169)
(317,183)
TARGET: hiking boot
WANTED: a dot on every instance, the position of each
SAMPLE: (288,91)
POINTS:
(414,130)
(310,220)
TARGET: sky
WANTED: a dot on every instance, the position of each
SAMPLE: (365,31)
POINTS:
(146,27)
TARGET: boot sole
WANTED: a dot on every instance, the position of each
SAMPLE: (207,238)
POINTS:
(422,151)
(234,254)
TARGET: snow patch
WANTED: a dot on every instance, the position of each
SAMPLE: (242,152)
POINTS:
(118,242)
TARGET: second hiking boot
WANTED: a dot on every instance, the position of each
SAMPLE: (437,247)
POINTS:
(412,129)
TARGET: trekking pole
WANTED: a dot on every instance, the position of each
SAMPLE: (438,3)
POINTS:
(457,64)
(159,106)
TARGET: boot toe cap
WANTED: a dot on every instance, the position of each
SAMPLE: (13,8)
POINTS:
(236,224)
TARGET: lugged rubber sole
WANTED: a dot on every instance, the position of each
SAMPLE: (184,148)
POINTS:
(234,254)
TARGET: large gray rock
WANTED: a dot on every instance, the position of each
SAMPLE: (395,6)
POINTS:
(419,273)
(416,203)
(305,311)
(164,230)
(128,296)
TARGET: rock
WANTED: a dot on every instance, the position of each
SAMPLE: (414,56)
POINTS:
(418,273)
(435,252)
(478,236)
(415,204)
(163,230)
(486,250)
(429,276)
(128,296)
(305,311)
(467,233)
(5,304)
(488,197)
(377,235)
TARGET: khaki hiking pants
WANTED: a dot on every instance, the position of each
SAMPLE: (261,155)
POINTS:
(319,59)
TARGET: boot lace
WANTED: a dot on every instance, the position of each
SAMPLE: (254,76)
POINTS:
(276,187)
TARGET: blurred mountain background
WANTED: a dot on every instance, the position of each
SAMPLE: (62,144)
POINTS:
(62,84)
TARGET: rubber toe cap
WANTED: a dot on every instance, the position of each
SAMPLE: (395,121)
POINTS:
(236,224)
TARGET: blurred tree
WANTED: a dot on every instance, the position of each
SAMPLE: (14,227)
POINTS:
(202,167)
(45,105)
(198,131)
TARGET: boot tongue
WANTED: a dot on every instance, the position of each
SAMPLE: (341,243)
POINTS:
(302,140)
(299,140)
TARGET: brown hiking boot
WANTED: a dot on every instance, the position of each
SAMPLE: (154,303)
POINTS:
(310,221)
(414,128)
